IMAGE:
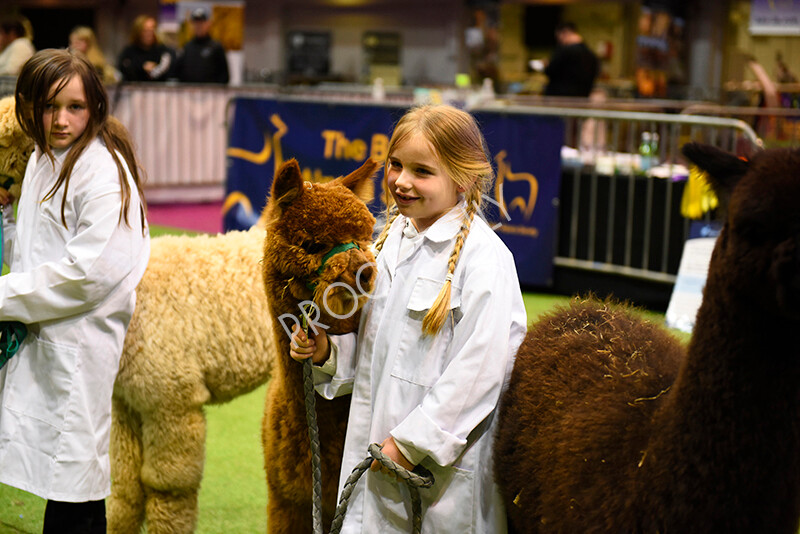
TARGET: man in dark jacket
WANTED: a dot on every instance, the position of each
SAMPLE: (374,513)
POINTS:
(202,59)
(573,67)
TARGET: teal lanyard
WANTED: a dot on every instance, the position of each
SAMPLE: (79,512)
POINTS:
(12,333)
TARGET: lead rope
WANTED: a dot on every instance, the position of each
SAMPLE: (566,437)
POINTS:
(313,434)
(415,480)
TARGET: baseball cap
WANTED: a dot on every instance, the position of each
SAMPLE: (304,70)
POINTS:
(199,13)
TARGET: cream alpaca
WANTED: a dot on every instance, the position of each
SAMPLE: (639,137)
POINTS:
(15,147)
(200,335)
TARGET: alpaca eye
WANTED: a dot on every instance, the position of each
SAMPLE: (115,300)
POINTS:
(312,248)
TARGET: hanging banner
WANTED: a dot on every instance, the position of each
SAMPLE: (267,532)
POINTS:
(775,17)
(330,140)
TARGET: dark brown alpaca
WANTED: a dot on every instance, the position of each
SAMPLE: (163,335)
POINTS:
(304,222)
(608,425)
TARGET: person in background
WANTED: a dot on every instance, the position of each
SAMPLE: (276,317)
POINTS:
(146,58)
(437,338)
(83,40)
(15,43)
(78,246)
(573,67)
(202,59)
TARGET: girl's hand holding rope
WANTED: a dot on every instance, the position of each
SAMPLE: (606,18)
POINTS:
(304,346)
(389,448)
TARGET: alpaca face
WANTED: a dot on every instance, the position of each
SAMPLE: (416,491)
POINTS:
(764,228)
(318,239)
(759,246)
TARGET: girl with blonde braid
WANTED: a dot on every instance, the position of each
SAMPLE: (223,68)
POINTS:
(436,340)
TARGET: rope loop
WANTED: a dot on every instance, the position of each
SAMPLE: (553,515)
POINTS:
(420,477)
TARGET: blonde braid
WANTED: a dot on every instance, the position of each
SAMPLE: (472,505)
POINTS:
(437,315)
(390,217)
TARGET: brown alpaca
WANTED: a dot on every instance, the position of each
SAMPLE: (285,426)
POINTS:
(304,221)
(608,425)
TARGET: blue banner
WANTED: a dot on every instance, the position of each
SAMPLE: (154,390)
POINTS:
(330,140)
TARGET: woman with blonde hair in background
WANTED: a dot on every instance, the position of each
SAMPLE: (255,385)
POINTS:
(83,40)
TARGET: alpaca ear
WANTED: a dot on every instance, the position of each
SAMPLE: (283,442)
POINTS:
(724,169)
(287,185)
(360,181)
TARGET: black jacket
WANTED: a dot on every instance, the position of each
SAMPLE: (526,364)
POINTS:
(132,58)
(202,61)
(571,71)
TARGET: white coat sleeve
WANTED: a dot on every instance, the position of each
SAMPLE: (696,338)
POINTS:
(484,343)
(99,256)
(9,232)
(10,220)
(335,378)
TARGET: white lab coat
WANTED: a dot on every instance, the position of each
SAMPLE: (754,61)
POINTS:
(74,288)
(436,396)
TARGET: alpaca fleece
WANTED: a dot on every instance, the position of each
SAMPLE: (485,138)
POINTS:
(304,221)
(610,425)
(201,334)
(15,147)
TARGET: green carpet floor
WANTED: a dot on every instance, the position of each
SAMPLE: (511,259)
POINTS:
(233,495)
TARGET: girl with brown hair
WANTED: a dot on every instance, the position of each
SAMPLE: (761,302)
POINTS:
(78,248)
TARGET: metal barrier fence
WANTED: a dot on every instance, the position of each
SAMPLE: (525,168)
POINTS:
(776,126)
(619,213)
(180,131)
(619,210)
(180,136)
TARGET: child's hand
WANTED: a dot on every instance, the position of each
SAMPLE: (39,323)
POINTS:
(6,198)
(303,347)
(389,448)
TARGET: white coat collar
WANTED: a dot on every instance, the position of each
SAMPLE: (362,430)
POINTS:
(445,228)
(59,154)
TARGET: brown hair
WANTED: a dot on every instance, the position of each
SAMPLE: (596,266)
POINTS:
(461,149)
(55,68)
